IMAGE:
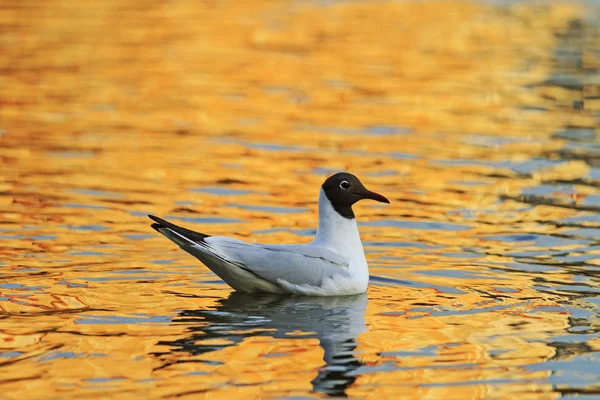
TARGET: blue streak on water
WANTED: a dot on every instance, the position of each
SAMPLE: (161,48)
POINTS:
(590,233)
(402,156)
(87,319)
(494,141)
(526,167)
(422,225)
(485,382)
(471,183)
(196,373)
(103,380)
(139,213)
(87,227)
(90,206)
(481,310)
(546,241)
(220,191)
(588,148)
(592,200)
(529,267)
(578,370)
(325,171)
(381,130)
(19,286)
(92,192)
(44,237)
(415,245)
(452,273)
(10,354)
(553,309)
(419,285)
(428,351)
(137,236)
(86,253)
(386,172)
(262,146)
(206,220)
(120,278)
(589,288)
(157,271)
(505,289)
(37,238)
(72,284)
(274,147)
(568,259)
(375,130)
(548,190)
(576,134)
(60,354)
(533,253)
(581,219)
(275,210)
(469,162)
(133,271)
(278,89)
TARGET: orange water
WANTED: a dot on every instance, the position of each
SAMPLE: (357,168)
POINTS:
(478,121)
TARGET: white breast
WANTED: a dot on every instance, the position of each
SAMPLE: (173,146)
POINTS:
(341,235)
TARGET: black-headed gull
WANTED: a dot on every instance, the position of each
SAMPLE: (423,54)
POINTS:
(332,264)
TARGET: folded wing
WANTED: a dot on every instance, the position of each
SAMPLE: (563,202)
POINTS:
(277,264)
(295,264)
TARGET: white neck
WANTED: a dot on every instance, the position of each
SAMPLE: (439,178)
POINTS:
(340,235)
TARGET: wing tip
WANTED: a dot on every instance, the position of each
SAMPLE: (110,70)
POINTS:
(156,219)
(160,225)
(156,227)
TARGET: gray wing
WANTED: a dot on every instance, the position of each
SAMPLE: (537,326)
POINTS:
(296,264)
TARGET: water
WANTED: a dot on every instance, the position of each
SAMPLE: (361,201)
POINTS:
(478,121)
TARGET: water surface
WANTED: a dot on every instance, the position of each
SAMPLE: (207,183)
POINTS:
(477,120)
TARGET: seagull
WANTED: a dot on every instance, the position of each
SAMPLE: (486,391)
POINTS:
(333,264)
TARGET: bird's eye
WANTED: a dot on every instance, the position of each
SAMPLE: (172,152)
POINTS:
(344,185)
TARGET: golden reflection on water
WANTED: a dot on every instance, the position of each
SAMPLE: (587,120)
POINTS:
(477,121)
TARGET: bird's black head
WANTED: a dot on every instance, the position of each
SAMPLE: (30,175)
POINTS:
(344,189)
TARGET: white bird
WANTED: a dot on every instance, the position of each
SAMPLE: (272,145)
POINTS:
(332,264)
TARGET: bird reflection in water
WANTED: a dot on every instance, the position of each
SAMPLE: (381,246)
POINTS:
(335,321)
